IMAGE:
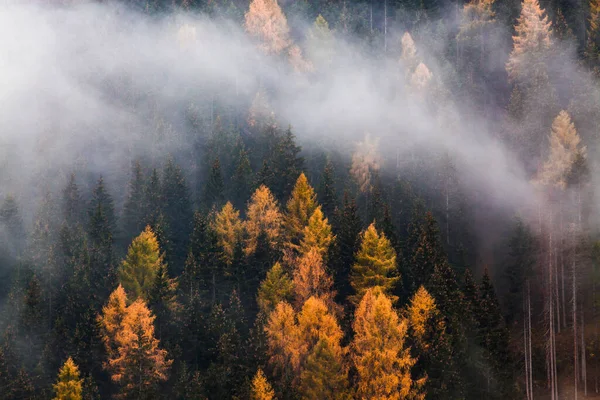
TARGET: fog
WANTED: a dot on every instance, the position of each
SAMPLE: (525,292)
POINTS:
(84,88)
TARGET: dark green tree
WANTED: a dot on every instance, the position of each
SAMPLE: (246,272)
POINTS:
(326,190)
(214,188)
(134,214)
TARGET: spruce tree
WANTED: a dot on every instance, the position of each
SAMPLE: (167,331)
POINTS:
(276,287)
(214,188)
(134,213)
(326,190)
(72,203)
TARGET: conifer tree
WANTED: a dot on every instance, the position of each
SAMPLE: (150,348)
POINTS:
(531,42)
(242,179)
(283,341)
(72,203)
(12,224)
(261,388)
(592,47)
(139,268)
(379,353)
(134,213)
(262,216)
(265,21)
(111,318)
(325,375)
(69,384)
(163,303)
(228,228)
(317,234)
(375,265)
(287,164)
(311,279)
(214,188)
(275,288)
(177,211)
(300,207)
(153,200)
(139,365)
(346,246)
(327,192)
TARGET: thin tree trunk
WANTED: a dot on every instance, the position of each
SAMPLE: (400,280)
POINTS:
(583,360)
(575,358)
(530,348)
(385,27)
(525,349)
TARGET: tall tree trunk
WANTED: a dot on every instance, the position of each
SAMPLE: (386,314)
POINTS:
(575,357)
(583,360)
(529,334)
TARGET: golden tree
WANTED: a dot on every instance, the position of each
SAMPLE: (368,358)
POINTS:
(564,151)
(228,227)
(325,375)
(365,163)
(69,384)
(265,21)
(311,279)
(382,361)
(111,318)
(283,339)
(263,216)
(261,388)
(375,265)
(140,364)
(301,205)
(315,322)
(317,234)
(276,287)
(138,270)
(531,42)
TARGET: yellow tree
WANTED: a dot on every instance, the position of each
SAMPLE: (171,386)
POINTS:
(320,43)
(228,227)
(263,216)
(315,322)
(531,42)
(301,205)
(311,279)
(261,388)
(317,234)
(140,364)
(138,270)
(276,287)
(365,163)
(378,352)
(325,375)
(565,149)
(68,385)
(375,265)
(111,318)
(265,21)
(283,340)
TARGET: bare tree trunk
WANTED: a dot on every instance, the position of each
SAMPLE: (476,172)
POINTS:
(529,334)
(562,268)
(583,360)
(525,348)
(575,357)
(385,27)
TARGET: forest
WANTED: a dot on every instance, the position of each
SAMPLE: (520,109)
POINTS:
(299,199)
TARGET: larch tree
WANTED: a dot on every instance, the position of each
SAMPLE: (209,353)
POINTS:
(266,22)
(375,265)
(378,352)
(531,43)
(317,234)
(311,279)
(564,151)
(365,163)
(69,384)
(283,341)
(275,288)
(261,388)
(316,322)
(325,374)
(228,228)
(300,207)
(320,43)
(111,318)
(138,269)
(262,217)
(592,47)
(139,365)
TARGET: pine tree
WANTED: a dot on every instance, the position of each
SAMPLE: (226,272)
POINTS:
(327,192)
(275,288)
(177,211)
(265,21)
(163,303)
(13,229)
(140,365)
(300,207)
(262,216)
(325,375)
(228,228)
(378,352)
(72,203)
(346,246)
(287,164)
(214,188)
(139,268)
(69,384)
(531,42)
(242,179)
(153,201)
(375,265)
(261,388)
(134,213)
(311,279)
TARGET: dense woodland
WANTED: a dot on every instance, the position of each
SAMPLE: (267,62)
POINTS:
(255,262)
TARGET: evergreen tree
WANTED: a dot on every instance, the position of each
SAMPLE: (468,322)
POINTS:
(378,351)
(69,384)
(521,261)
(134,214)
(163,303)
(242,179)
(300,207)
(177,211)
(325,375)
(13,232)
(375,265)
(327,192)
(72,203)
(287,164)
(139,269)
(153,200)
(214,188)
(276,287)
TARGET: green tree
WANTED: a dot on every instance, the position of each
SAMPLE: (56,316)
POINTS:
(325,375)
(327,192)
(317,234)
(134,214)
(214,188)
(69,384)
(276,287)
(375,265)
(300,207)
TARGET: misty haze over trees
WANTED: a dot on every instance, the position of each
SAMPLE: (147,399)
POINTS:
(236,199)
